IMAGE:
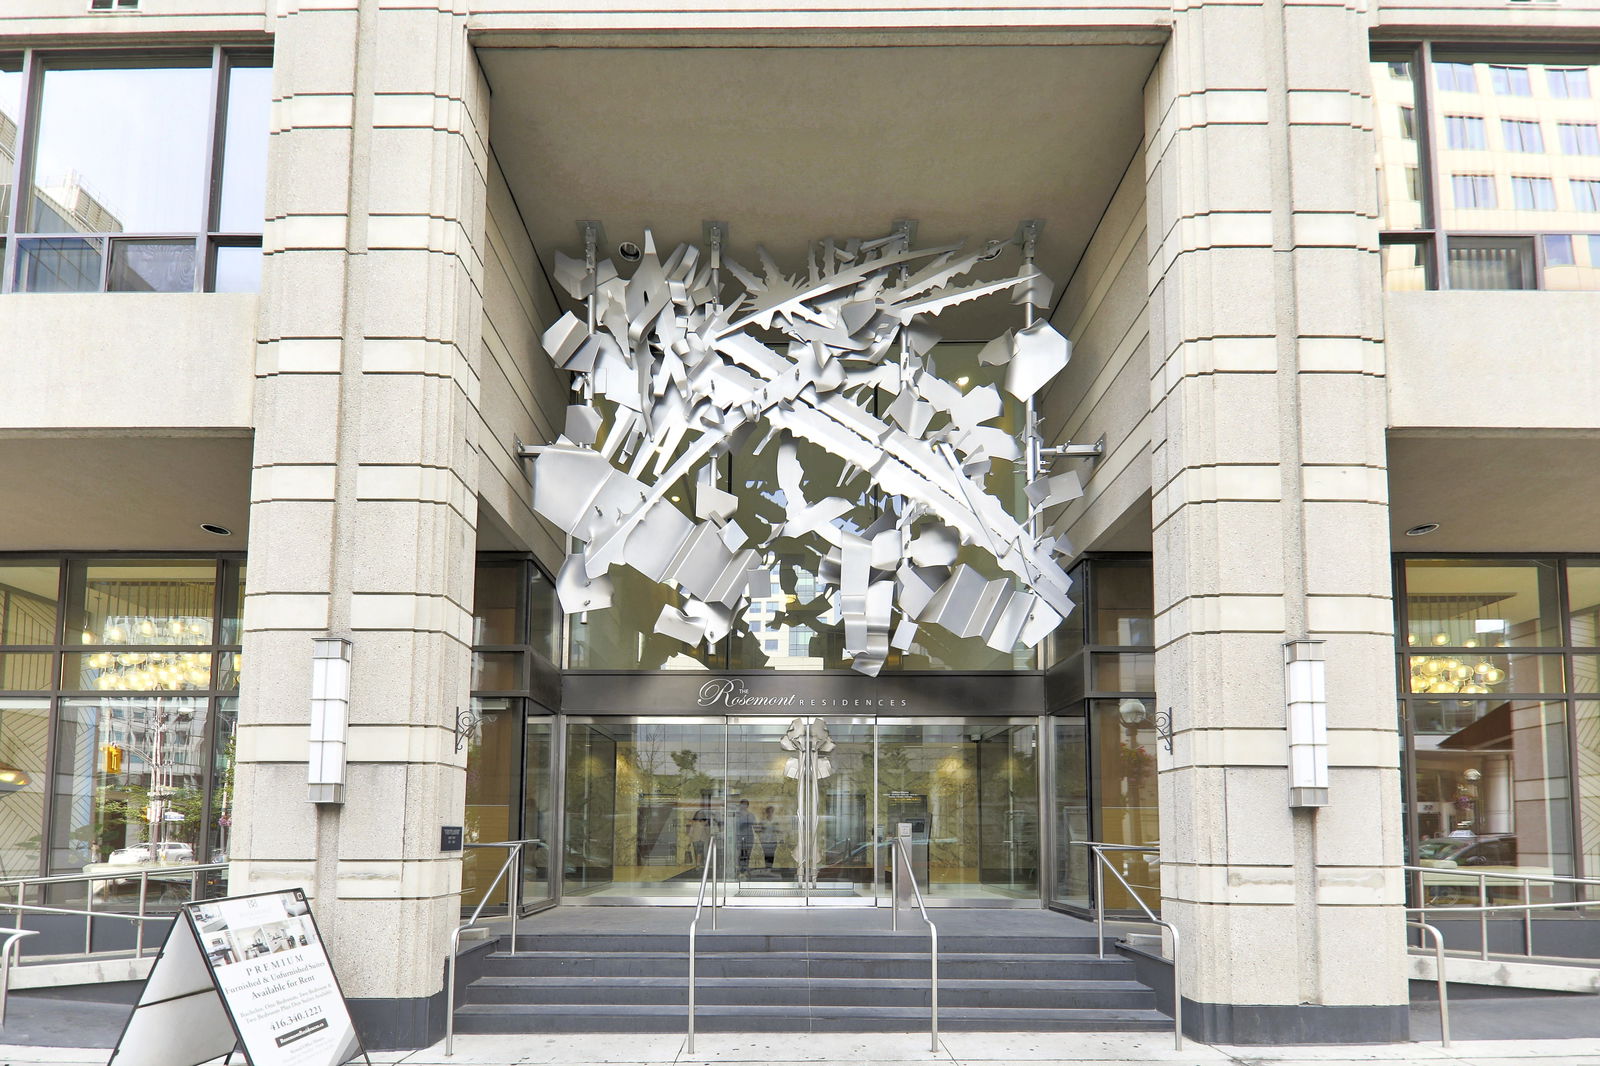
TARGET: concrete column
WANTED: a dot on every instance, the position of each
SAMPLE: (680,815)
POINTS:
(364,492)
(1271,522)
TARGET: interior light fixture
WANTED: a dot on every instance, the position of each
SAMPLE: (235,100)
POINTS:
(13,779)
(1422,530)
(216,530)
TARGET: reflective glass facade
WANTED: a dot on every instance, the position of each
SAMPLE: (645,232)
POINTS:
(1488,167)
(1498,675)
(118,702)
(1103,705)
(140,173)
(510,739)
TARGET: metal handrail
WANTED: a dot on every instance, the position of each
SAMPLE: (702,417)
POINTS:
(899,854)
(513,898)
(1097,849)
(1483,912)
(1484,909)
(694,923)
(140,917)
(8,956)
(1444,995)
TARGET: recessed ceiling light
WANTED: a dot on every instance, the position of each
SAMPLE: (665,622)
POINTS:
(216,530)
(1422,530)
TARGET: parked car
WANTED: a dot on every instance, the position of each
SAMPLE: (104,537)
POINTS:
(167,853)
(134,858)
(1488,854)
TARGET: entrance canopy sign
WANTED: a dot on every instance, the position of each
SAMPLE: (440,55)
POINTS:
(246,972)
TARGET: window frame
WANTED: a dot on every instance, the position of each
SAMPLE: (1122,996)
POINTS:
(1428,76)
(1569,699)
(219,61)
(226,594)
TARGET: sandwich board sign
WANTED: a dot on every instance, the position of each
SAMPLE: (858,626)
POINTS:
(246,972)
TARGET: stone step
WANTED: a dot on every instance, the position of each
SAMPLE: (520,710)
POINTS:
(802,991)
(914,936)
(836,964)
(662,1018)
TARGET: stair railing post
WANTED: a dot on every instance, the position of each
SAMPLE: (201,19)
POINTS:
(1099,901)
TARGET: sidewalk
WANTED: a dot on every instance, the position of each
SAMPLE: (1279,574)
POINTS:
(957,1049)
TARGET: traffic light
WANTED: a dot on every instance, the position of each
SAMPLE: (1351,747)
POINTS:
(111,758)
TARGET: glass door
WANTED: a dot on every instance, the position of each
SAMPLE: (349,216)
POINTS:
(799,815)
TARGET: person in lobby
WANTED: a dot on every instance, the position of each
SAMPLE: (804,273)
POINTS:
(768,830)
(744,833)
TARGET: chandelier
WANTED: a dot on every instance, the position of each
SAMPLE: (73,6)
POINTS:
(149,671)
(1448,674)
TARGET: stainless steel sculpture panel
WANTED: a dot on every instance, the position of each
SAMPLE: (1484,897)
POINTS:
(672,378)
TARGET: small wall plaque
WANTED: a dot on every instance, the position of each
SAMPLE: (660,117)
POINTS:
(450,838)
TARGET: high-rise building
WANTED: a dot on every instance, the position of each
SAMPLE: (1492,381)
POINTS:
(296,296)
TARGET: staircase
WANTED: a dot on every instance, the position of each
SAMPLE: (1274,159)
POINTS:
(871,981)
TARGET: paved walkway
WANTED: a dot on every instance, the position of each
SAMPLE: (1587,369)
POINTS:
(956,1049)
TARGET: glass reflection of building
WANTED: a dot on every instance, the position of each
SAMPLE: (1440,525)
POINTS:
(1499,683)
(1488,168)
(118,697)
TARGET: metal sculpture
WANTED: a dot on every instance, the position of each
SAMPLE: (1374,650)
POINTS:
(670,378)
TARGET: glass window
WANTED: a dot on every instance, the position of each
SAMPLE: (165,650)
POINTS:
(544,611)
(142,602)
(60,264)
(1491,263)
(539,810)
(497,602)
(1579,138)
(1587,714)
(1510,81)
(121,149)
(24,740)
(1521,135)
(125,183)
(1583,605)
(1473,190)
(492,797)
(1586,194)
(1569,82)
(243,196)
(1464,132)
(1558,250)
(136,671)
(10,113)
(1533,193)
(1456,77)
(224,754)
(1471,604)
(151,266)
(236,268)
(1395,96)
(1072,813)
(1124,604)
(1405,266)
(1492,792)
(1125,742)
(128,784)
(28,595)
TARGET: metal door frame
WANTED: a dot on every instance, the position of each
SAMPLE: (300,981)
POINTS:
(879,896)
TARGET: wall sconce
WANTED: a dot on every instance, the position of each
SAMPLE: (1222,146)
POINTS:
(1305,689)
(330,713)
